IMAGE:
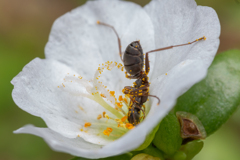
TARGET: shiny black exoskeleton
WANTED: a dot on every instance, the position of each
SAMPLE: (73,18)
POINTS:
(133,60)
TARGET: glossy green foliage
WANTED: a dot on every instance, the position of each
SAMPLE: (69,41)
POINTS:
(148,139)
(168,138)
(126,156)
(214,99)
(192,148)
(153,151)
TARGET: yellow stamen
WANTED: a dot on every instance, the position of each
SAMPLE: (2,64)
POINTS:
(129,126)
(106,116)
(99,116)
(102,95)
(105,132)
(104,113)
(123,125)
(120,98)
(87,124)
(119,104)
(125,100)
(112,93)
(109,129)
(124,118)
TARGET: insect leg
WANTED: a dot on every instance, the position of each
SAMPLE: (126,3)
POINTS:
(147,67)
(141,110)
(155,97)
(135,91)
(119,40)
(144,92)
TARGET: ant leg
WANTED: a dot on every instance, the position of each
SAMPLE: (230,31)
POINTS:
(141,110)
(155,97)
(133,100)
(119,40)
(147,67)
(135,92)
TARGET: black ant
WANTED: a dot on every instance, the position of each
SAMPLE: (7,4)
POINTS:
(133,61)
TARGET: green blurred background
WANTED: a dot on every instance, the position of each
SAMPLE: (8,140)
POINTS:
(24,30)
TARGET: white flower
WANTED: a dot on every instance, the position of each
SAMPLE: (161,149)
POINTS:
(52,89)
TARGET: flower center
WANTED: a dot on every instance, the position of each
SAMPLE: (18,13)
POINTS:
(115,125)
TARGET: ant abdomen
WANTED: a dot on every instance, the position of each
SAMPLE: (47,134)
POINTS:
(133,58)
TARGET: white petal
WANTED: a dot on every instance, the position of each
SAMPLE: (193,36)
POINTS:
(79,147)
(36,91)
(75,146)
(181,21)
(79,42)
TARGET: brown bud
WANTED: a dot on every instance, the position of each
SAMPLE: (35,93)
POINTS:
(191,126)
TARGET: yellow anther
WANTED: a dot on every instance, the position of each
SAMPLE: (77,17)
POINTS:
(106,116)
(105,132)
(104,113)
(123,125)
(63,85)
(139,94)
(165,73)
(196,39)
(119,104)
(120,98)
(129,126)
(189,43)
(118,120)
(102,95)
(112,93)
(109,129)
(99,116)
(125,100)
(204,38)
(87,124)
(58,87)
(124,118)
(130,70)
(78,135)
(136,46)
(98,22)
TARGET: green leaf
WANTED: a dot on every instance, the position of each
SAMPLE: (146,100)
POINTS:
(192,148)
(148,139)
(168,138)
(144,156)
(126,156)
(214,99)
(179,155)
(153,151)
